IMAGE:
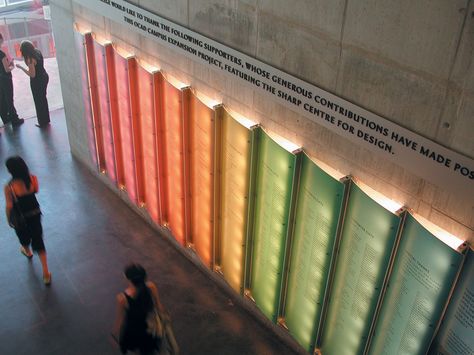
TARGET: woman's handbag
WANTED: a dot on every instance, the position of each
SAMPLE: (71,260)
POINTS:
(16,218)
(155,324)
(169,346)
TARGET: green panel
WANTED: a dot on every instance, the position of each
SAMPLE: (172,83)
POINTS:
(423,273)
(368,237)
(317,213)
(456,335)
(275,175)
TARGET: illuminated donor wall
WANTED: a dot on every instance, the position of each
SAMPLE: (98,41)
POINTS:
(339,266)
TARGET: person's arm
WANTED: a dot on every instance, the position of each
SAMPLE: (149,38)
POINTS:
(8,203)
(119,316)
(34,183)
(8,66)
(156,298)
(31,71)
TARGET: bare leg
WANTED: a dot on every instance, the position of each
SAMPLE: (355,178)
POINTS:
(44,264)
(25,250)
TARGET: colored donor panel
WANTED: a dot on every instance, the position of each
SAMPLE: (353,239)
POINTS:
(368,237)
(124,120)
(202,135)
(135,110)
(173,172)
(238,141)
(149,82)
(104,108)
(423,273)
(318,208)
(81,47)
(456,335)
(276,169)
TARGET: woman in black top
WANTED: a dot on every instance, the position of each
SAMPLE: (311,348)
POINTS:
(38,80)
(22,188)
(133,307)
(7,108)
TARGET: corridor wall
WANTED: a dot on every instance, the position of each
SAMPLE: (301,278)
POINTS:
(322,255)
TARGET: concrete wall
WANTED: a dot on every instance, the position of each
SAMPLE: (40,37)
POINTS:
(408,61)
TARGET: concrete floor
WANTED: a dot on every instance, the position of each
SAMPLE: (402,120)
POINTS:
(90,234)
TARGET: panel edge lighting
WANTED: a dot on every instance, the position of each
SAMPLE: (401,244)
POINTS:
(136,130)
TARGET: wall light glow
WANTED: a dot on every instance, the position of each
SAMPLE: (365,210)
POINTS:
(446,237)
(384,201)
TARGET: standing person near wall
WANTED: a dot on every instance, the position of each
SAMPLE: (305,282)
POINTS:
(21,190)
(38,80)
(7,108)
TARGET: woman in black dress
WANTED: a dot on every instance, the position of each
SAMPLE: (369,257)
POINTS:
(38,80)
(133,308)
(21,189)
(7,108)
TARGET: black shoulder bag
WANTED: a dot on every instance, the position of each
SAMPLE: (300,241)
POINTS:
(16,219)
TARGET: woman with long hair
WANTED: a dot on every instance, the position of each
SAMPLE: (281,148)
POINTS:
(133,307)
(21,190)
(38,80)
(7,108)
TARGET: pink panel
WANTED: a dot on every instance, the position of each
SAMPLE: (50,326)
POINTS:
(148,127)
(105,116)
(125,123)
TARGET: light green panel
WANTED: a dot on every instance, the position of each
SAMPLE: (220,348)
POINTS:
(456,335)
(317,213)
(275,177)
(423,273)
(368,237)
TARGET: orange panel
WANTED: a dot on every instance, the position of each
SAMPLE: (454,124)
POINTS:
(201,148)
(174,172)
(149,147)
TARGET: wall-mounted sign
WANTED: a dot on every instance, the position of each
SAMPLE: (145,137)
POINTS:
(425,158)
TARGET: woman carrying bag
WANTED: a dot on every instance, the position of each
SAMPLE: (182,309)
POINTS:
(22,204)
(140,316)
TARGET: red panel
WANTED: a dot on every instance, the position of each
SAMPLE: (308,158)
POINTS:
(149,148)
(173,172)
(81,46)
(103,110)
(201,148)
